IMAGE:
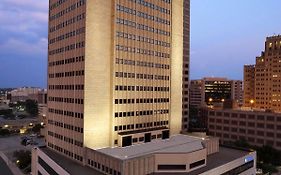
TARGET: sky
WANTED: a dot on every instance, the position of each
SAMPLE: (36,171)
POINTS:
(225,35)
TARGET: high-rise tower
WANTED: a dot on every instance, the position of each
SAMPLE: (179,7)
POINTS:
(115,68)
(262,80)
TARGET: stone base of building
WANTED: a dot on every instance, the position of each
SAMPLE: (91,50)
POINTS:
(177,155)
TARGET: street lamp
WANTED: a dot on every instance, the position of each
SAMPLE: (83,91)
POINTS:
(252,103)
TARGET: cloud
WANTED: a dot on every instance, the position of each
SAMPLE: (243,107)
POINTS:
(39,5)
(23,26)
(23,42)
(22,48)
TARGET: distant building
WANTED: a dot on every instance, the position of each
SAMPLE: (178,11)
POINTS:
(25,93)
(249,85)
(215,91)
(42,114)
(19,125)
(237,92)
(4,96)
(263,80)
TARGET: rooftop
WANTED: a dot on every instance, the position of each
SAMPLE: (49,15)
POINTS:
(249,110)
(175,144)
(224,156)
(69,165)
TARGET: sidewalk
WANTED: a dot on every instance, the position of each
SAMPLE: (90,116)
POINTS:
(14,169)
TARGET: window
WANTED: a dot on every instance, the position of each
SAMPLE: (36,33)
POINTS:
(171,167)
(198,163)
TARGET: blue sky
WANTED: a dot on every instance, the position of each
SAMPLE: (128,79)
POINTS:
(225,35)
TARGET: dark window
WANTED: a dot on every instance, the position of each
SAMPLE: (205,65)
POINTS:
(141,139)
(147,137)
(198,163)
(165,134)
(171,167)
(127,141)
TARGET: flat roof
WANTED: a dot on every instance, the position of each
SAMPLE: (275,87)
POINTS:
(224,156)
(69,165)
(249,111)
(175,144)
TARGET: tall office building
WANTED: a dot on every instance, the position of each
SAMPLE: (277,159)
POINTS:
(114,69)
(211,91)
(266,77)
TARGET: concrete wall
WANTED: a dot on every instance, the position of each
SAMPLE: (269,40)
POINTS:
(36,152)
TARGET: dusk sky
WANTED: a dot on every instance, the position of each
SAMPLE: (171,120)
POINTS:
(225,35)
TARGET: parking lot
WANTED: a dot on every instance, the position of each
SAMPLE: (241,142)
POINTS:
(10,144)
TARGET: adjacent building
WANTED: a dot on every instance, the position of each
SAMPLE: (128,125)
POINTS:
(256,127)
(214,91)
(262,80)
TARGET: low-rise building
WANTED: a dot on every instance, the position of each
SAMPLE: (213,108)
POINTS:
(256,127)
(176,155)
(18,124)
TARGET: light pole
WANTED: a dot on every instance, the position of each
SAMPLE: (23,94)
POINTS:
(252,103)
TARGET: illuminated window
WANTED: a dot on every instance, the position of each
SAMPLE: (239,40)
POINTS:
(270,44)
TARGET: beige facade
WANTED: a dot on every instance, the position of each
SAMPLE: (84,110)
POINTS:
(115,68)
(266,76)
(177,155)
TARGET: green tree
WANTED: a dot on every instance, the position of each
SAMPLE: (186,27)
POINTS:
(6,112)
(37,128)
(4,132)
(23,158)
(31,107)
(267,154)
